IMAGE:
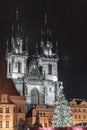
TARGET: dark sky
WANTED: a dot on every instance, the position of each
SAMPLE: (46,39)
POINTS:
(68,22)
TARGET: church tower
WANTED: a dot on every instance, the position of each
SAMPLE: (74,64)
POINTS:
(48,65)
(16,56)
(48,60)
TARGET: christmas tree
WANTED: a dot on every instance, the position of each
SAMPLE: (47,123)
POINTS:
(62,113)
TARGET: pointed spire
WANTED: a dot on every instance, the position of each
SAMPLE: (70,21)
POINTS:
(21,29)
(12,28)
(46,30)
(36,50)
(41,32)
(50,32)
(7,50)
(12,39)
(45,18)
(56,48)
(17,23)
(26,48)
(17,14)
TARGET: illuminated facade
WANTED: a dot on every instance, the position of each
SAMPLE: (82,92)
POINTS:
(12,105)
(38,81)
(79,111)
(45,115)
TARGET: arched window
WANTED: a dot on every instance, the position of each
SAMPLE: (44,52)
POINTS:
(35,96)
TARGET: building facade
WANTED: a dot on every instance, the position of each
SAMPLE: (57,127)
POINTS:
(45,115)
(12,105)
(38,81)
(79,111)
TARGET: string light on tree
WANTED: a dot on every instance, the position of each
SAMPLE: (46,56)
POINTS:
(62,113)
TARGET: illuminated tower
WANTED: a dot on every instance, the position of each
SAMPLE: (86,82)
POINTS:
(17,57)
(48,60)
(48,64)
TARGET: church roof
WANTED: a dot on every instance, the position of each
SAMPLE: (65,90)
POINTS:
(7,87)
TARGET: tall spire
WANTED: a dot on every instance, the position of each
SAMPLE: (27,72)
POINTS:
(12,39)
(17,39)
(17,23)
(36,50)
(26,48)
(57,48)
(46,43)
(7,50)
(45,29)
(45,18)
(17,14)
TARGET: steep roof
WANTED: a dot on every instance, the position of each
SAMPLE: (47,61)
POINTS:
(7,87)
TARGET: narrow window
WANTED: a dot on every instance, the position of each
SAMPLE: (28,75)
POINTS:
(75,116)
(9,68)
(78,110)
(84,116)
(0,124)
(7,110)
(49,69)
(49,89)
(1,110)
(45,124)
(41,69)
(84,110)
(7,124)
(15,64)
(19,67)
(79,116)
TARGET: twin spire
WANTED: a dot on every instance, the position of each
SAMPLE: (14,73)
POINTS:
(17,39)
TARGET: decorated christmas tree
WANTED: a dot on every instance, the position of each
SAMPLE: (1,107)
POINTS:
(62,112)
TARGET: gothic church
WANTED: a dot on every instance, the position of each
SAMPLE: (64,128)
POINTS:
(38,80)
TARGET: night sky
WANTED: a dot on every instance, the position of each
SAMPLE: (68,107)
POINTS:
(68,22)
